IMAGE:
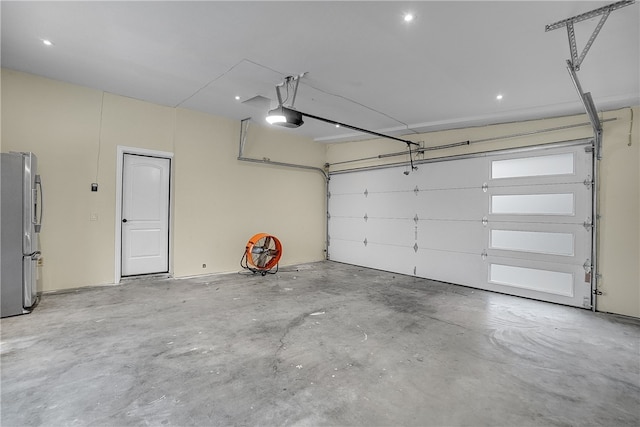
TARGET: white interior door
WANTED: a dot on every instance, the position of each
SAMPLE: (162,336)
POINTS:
(512,222)
(145,214)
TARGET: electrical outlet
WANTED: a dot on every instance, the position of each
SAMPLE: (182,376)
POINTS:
(93,216)
(204,265)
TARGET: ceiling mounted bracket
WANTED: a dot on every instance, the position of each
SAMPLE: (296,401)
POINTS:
(573,64)
(289,80)
(576,60)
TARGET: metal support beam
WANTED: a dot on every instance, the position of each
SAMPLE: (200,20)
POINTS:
(576,60)
(590,14)
(590,108)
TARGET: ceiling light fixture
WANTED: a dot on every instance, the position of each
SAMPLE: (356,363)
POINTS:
(408,17)
(237,98)
(499,97)
(47,42)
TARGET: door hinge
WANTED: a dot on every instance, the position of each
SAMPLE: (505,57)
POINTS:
(588,182)
(587,270)
(587,224)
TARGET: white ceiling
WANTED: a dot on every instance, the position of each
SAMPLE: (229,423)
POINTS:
(365,66)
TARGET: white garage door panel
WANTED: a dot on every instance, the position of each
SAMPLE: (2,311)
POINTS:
(391,232)
(551,243)
(511,222)
(398,259)
(562,203)
(465,173)
(349,184)
(348,251)
(465,204)
(348,228)
(559,283)
(451,236)
(446,267)
(390,205)
(531,169)
(374,256)
(550,281)
(534,166)
(540,242)
(347,206)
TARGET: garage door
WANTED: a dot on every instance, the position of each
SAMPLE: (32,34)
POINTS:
(515,222)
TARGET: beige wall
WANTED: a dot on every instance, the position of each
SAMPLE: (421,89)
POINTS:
(219,202)
(619,184)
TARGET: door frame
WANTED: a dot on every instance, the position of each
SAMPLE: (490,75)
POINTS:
(121,151)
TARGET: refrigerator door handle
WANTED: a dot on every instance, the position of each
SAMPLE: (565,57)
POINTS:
(38,219)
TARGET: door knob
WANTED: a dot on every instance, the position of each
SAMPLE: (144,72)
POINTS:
(124,220)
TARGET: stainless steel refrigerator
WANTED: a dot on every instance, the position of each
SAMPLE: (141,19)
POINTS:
(20,222)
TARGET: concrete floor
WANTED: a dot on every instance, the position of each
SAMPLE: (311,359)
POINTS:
(316,344)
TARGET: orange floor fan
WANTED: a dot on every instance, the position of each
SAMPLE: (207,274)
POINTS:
(262,254)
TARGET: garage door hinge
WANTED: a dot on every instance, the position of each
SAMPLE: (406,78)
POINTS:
(328,215)
(328,194)
(587,224)
(366,192)
(484,255)
(366,217)
(365,242)
(485,221)
(588,182)
(485,187)
(416,190)
(587,266)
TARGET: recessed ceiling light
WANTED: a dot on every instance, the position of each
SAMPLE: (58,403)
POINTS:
(499,97)
(337,126)
(47,42)
(237,98)
(408,17)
